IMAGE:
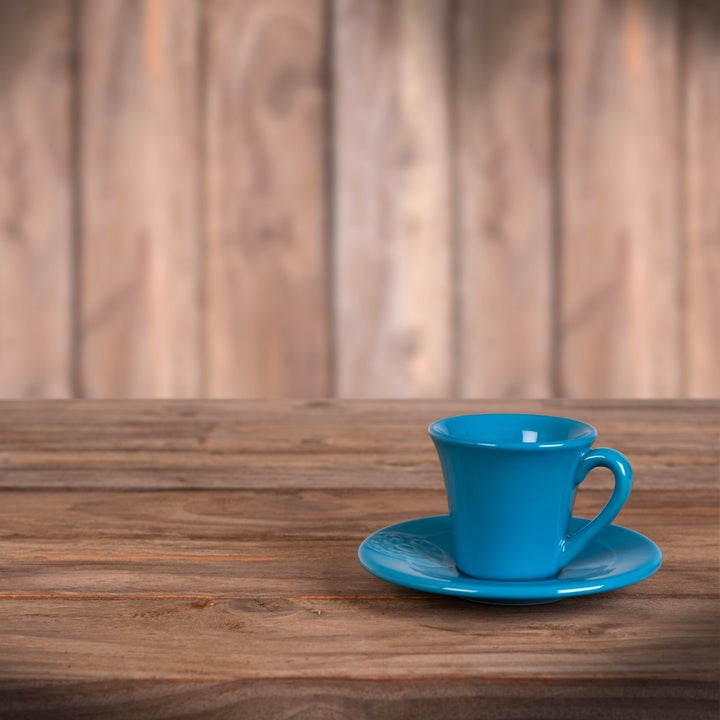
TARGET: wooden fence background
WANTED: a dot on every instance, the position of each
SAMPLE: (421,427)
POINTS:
(259,198)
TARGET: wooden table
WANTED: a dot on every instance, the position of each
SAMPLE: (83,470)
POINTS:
(198,559)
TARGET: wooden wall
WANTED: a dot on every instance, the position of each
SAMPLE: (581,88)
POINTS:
(259,198)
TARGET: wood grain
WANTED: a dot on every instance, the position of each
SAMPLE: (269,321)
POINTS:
(265,545)
(250,601)
(409,198)
(213,444)
(620,284)
(362,638)
(36,180)
(701,106)
(140,317)
(505,185)
(267,331)
(461,698)
(392,236)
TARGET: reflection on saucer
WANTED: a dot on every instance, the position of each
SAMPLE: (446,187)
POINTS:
(417,551)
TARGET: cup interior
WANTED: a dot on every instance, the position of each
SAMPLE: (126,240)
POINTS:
(513,431)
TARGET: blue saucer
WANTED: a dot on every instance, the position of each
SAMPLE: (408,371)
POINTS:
(418,554)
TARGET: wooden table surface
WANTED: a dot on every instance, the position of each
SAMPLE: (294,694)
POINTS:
(198,559)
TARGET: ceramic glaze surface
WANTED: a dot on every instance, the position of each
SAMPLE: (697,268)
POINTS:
(419,554)
(511,481)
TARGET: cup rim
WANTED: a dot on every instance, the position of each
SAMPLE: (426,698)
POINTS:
(586,438)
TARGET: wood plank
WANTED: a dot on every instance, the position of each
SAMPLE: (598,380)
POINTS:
(358,638)
(97,519)
(265,545)
(196,444)
(264,134)
(140,325)
(701,115)
(392,229)
(460,698)
(263,571)
(240,516)
(36,183)
(505,184)
(620,275)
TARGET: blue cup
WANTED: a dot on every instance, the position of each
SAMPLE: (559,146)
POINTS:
(511,482)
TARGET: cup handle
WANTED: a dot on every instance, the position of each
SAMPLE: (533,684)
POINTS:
(620,467)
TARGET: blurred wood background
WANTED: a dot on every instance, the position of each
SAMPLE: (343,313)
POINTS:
(359,198)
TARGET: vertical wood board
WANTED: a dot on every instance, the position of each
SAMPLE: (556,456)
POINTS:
(701,193)
(392,229)
(140,325)
(620,274)
(36,179)
(505,185)
(265,183)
